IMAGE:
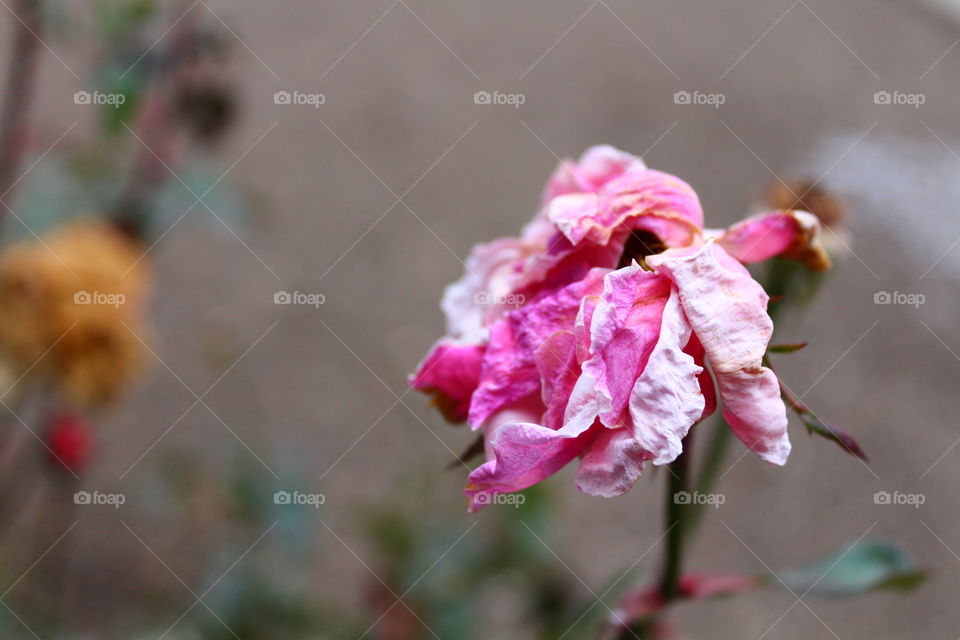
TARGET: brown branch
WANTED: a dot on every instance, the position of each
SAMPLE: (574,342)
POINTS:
(154,128)
(21,80)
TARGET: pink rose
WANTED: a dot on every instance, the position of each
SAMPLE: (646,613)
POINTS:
(589,335)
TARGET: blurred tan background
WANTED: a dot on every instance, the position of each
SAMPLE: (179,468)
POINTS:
(374,198)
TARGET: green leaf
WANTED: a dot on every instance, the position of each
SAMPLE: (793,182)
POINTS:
(841,437)
(117,20)
(786,348)
(131,86)
(864,566)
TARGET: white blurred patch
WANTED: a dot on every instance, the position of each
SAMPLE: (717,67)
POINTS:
(909,187)
(949,8)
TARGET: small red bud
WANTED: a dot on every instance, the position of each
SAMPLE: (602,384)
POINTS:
(68,442)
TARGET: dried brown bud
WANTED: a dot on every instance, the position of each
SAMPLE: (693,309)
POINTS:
(807,196)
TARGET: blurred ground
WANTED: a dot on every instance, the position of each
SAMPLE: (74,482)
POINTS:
(376,196)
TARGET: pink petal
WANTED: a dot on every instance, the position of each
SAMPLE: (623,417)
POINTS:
(584,403)
(557,362)
(597,166)
(666,400)
(727,310)
(482,294)
(793,233)
(612,463)
(564,263)
(527,410)
(664,394)
(512,367)
(509,374)
(651,200)
(623,332)
(524,454)
(452,373)
(695,349)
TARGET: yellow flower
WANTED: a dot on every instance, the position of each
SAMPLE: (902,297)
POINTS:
(69,306)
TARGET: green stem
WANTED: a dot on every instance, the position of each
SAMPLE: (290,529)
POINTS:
(714,455)
(780,279)
(677,513)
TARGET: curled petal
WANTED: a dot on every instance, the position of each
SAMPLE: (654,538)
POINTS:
(727,310)
(612,463)
(515,361)
(753,412)
(661,203)
(557,362)
(523,455)
(562,264)
(651,200)
(597,166)
(577,215)
(482,294)
(583,404)
(623,332)
(450,373)
(666,400)
(527,410)
(509,374)
(793,234)
(707,388)
(593,228)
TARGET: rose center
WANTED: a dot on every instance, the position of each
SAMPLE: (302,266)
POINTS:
(639,245)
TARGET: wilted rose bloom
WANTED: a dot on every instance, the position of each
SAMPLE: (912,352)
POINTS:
(588,336)
(71,303)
